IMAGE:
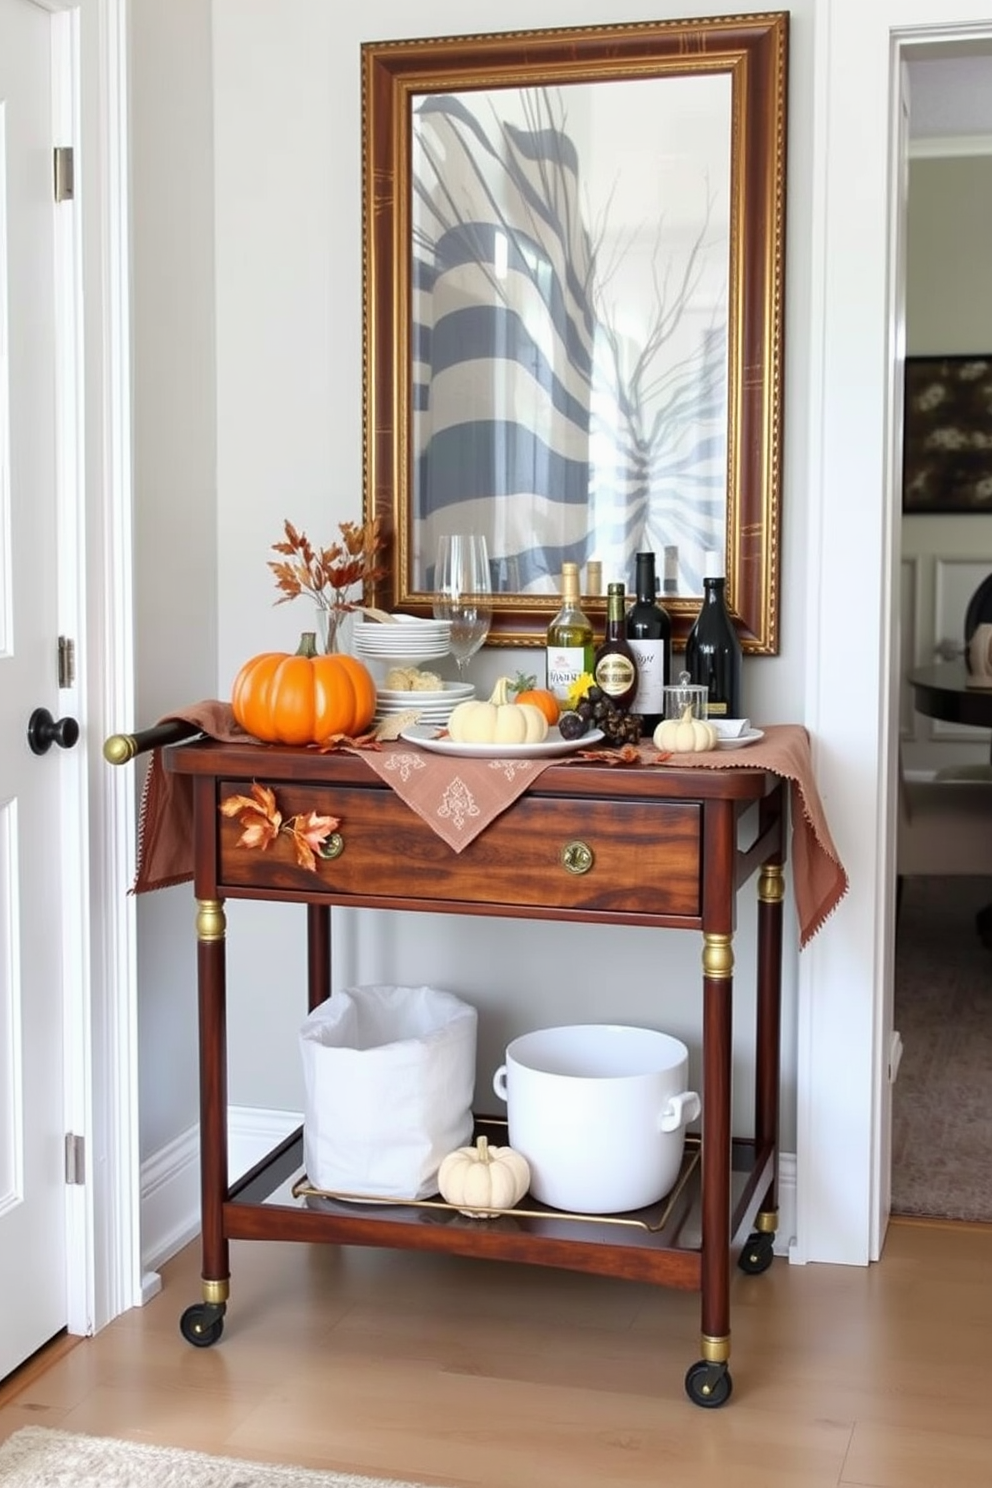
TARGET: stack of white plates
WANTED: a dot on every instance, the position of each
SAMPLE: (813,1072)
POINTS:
(431,707)
(404,639)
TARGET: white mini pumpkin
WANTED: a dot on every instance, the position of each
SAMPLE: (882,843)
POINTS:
(498,721)
(481,1179)
(685,735)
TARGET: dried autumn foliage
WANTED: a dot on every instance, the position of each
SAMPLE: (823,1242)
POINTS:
(328,574)
(262,821)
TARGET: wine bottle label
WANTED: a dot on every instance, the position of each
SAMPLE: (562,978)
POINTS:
(650,658)
(615,673)
(715,710)
(565,666)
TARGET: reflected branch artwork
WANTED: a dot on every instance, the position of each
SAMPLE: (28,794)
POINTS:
(569,394)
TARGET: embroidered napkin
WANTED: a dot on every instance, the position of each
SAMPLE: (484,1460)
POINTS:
(456,796)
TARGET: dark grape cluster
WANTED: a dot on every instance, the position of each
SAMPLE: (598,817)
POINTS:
(596,710)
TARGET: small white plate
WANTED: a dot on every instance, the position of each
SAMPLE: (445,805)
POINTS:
(451,692)
(548,748)
(742,740)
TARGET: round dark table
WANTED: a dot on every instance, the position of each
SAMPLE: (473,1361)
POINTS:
(941,691)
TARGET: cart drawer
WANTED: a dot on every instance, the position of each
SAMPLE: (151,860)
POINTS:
(556,853)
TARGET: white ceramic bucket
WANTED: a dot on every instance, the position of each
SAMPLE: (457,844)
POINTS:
(599,1111)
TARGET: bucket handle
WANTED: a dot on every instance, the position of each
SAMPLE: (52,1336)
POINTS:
(499,1082)
(678,1110)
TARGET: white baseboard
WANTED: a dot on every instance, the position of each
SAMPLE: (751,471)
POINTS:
(785,1235)
(170,1186)
(170,1182)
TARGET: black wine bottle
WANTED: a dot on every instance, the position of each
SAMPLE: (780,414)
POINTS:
(713,648)
(649,631)
(615,666)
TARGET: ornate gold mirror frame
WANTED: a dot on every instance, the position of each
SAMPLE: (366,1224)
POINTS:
(573,302)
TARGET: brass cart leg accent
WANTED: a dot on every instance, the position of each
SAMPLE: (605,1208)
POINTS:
(766,1223)
(211,921)
(718,955)
(216,1291)
(715,1350)
(771,884)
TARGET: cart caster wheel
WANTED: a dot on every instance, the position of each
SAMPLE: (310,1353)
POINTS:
(708,1385)
(202,1324)
(758,1253)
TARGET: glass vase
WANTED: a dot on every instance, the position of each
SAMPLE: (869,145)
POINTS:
(328,625)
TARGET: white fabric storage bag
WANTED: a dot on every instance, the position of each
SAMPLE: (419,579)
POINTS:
(389,1078)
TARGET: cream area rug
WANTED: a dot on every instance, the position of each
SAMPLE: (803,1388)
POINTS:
(35,1457)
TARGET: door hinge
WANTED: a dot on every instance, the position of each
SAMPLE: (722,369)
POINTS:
(67,662)
(63,165)
(75,1158)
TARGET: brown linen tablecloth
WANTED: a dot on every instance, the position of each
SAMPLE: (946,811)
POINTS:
(819,879)
(458,798)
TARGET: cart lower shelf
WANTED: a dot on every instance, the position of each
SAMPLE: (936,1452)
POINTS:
(658,1244)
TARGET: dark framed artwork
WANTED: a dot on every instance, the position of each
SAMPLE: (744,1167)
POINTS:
(947,434)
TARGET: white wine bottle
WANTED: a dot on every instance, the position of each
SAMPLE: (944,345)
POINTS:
(569,649)
(713,648)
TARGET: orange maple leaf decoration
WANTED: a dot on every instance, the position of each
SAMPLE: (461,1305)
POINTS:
(262,821)
(309,835)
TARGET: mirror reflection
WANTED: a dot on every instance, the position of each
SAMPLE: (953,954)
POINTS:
(573,310)
(570,301)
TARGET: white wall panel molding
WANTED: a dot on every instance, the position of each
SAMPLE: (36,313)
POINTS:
(909,610)
(951,146)
(11,1078)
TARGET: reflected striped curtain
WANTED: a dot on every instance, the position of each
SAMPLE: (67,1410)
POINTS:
(502,321)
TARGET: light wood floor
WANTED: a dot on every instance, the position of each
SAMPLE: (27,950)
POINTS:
(452,1371)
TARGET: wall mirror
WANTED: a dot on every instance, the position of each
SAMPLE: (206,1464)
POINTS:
(573,296)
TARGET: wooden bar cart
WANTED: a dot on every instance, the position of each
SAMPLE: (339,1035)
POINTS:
(663,847)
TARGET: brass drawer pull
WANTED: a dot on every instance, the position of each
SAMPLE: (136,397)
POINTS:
(577,857)
(332,846)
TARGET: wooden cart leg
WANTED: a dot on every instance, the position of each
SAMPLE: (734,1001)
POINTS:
(771,897)
(708,1382)
(203,1323)
(318,954)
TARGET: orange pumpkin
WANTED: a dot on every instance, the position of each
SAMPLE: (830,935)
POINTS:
(525,690)
(303,697)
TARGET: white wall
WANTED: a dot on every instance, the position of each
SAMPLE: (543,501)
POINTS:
(289,355)
(948,312)
(174,484)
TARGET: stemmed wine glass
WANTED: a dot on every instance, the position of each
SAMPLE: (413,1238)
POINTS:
(463,593)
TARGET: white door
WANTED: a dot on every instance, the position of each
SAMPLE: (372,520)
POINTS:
(33,1288)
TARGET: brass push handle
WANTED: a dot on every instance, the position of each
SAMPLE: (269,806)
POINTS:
(577,857)
(121,748)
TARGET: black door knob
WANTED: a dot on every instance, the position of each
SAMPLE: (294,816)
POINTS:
(44,731)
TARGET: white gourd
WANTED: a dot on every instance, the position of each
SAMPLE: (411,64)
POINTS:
(480,1179)
(685,735)
(497,721)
